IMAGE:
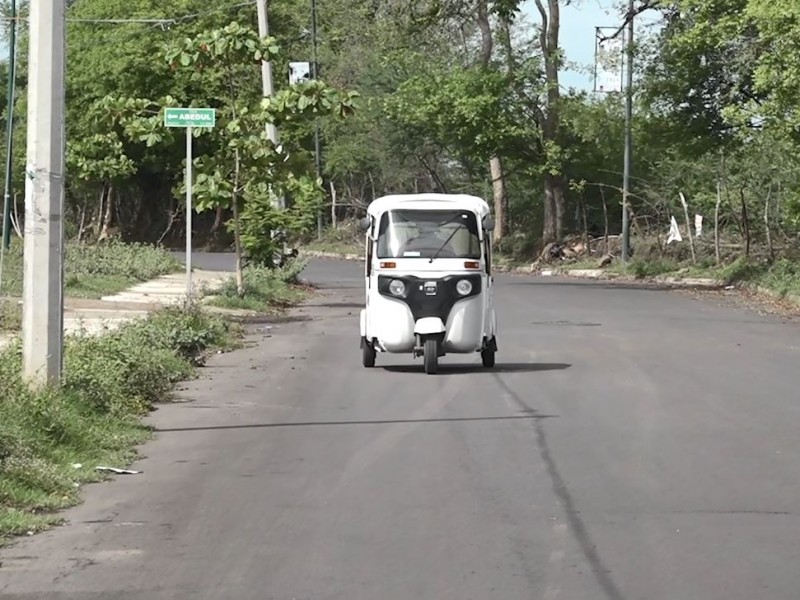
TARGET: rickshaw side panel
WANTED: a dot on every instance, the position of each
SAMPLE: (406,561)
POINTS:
(465,326)
(391,323)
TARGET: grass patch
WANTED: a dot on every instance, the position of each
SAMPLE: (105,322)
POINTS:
(52,441)
(96,286)
(643,268)
(781,277)
(264,289)
(10,315)
(92,271)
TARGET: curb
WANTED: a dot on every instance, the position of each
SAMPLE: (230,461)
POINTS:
(331,255)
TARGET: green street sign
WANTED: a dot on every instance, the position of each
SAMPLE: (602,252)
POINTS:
(190,117)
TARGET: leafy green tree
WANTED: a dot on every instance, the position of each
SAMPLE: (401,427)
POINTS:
(245,169)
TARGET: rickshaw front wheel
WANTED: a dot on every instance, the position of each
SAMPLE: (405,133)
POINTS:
(487,357)
(431,354)
(367,354)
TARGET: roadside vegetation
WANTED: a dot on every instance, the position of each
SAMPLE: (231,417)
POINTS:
(52,442)
(265,290)
(95,270)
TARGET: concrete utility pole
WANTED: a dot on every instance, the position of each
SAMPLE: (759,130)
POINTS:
(626,173)
(266,79)
(43,300)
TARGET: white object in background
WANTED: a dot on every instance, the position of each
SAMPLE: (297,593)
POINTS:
(674,232)
(299,72)
(698,225)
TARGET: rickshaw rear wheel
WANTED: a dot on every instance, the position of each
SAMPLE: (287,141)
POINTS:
(487,357)
(431,354)
(367,354)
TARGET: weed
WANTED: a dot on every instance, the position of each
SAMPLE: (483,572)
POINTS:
(264,288)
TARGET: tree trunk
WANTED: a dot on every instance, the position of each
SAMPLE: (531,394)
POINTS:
(495,163)
(82,224)
(97,219)
(716,224)
(550,229)
(237,230)
(108,213)
(605,221)
(745,224)
(554,195)
(767,226)
(333,205)
(585,223)
(688,227)
(215,228)
(499,194)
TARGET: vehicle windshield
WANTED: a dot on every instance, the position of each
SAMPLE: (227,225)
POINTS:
(425,233)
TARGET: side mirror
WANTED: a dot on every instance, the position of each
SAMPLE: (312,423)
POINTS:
(365,223)
(488,223)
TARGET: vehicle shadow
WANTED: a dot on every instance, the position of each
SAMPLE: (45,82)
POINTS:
(445,369)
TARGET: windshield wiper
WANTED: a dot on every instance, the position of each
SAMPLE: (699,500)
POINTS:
(436,254)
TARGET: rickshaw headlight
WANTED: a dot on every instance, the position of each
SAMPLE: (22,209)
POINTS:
(397,287)
(464,287)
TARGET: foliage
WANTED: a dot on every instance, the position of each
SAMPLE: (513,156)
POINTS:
(245,165)
(441,91)
(264,289)
(51,441)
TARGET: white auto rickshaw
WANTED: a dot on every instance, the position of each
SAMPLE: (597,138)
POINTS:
(429,288)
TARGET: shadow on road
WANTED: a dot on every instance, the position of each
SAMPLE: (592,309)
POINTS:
(272,319)
(334,423)
(644,286)
(445,369)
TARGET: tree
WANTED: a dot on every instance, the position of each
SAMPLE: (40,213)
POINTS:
(246,169)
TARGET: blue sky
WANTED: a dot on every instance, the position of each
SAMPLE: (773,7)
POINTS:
(577,36)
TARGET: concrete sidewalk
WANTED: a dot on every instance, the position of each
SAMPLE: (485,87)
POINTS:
(94,317)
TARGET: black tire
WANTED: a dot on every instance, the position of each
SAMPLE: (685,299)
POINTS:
(487,357)
(431,356)
(367,354)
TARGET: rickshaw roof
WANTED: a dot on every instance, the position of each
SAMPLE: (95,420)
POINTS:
(429,202)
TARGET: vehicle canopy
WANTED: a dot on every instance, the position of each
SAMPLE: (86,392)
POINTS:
(429,202)
(428,226)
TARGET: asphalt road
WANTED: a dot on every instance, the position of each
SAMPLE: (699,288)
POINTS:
(632,444)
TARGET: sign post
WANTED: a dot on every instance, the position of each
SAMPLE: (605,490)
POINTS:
(189,118)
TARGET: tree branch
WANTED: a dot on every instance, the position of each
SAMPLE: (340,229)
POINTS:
(630,16)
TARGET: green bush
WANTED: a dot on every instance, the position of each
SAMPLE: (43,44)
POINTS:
(642,268)
(134,261)
(95,270)
(52,440)
(264,288)
(783,277)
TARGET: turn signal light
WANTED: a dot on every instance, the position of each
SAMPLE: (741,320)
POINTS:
(472,264)
(388,265)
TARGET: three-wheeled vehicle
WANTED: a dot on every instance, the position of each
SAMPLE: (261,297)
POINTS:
(429,288)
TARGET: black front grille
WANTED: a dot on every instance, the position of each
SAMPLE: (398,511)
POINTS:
(421,302)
